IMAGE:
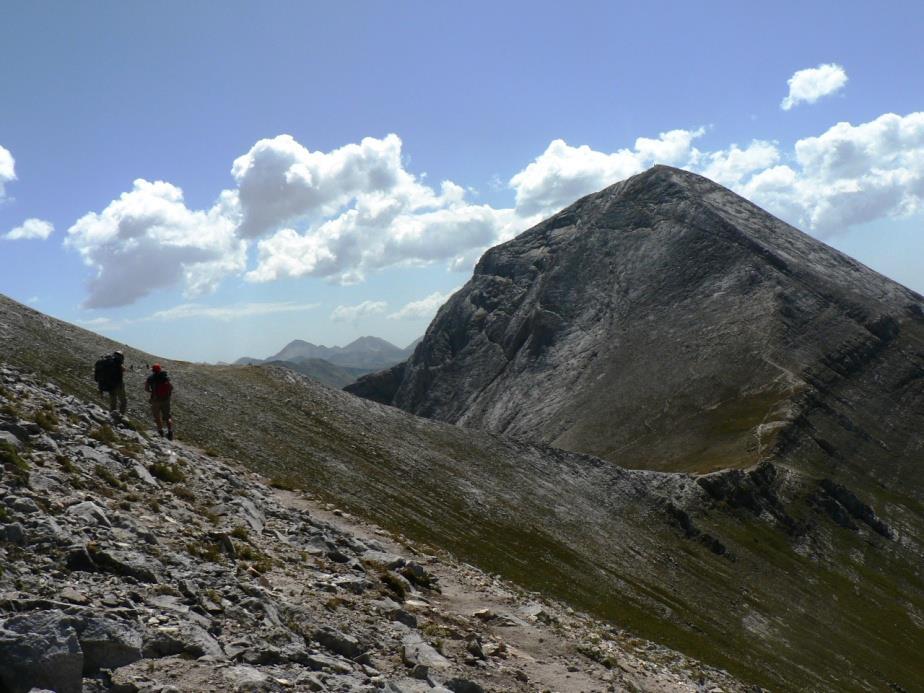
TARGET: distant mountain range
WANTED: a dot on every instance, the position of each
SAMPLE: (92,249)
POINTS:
(336,366)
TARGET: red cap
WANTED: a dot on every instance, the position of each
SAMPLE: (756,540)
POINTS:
(156,368)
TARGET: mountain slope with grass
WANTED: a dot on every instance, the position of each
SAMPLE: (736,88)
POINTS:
(787,579)
(128,563)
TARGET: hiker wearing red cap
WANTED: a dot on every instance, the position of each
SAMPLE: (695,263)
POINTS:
(158,384)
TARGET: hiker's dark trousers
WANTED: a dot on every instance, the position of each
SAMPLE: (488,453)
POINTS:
(117,396)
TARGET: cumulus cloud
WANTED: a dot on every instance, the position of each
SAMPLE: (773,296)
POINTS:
(730,166)
(362,310)
(7,169)
(562,173)
(31,229)
(360,211)
(423,309)
(230,312)
(148,239)
(280,180)
(848,175)
(809,85)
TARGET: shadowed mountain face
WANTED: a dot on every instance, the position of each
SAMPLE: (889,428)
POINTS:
(667,323)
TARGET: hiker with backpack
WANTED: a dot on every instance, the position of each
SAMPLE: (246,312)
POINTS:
(158,384)
(109,376)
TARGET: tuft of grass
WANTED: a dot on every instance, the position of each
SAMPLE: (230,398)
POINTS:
(10,409)
(210,515)
(170,473)
(47,419)
(10,457)
(184,493)
(206,550)
(103,434)
(66,464)
(394,583)
(108,476)
(240,532)
(286,482)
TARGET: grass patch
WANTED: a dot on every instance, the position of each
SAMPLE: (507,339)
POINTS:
(184,493)
(395,584)
(47,419)
(10,409)
(10,457)
(103,434)
(170,473)
(286,482)
(108,477)
(206,550)
(240,532)
(66,464)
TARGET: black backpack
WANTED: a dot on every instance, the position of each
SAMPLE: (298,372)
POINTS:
(106,372)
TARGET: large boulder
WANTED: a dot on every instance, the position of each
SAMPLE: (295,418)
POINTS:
(40,650)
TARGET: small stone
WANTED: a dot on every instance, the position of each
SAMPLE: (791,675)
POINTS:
(69,594)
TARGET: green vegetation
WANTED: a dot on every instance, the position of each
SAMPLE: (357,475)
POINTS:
(206,550)
(103,434)
(108,476)
(47,418)
(184,493)
(171,473)
(286,482)
(9,457)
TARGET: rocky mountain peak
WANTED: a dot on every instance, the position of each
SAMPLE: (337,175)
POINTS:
(666,322)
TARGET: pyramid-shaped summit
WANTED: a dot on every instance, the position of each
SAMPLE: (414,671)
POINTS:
(668,323)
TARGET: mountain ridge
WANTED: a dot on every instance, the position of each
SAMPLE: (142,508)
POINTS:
(673,269)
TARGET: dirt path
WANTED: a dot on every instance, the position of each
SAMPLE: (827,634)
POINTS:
(538,640)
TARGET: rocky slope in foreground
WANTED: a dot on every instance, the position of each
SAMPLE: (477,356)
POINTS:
(131,564)
(788,580)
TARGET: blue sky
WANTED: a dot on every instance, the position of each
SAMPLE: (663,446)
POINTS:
(290,158)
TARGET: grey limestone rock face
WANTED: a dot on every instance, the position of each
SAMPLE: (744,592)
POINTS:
(40,650)
(108,643)
(667,323)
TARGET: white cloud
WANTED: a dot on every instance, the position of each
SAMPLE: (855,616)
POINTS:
(809,85)
(563,173)
(279,180)
(377,216)
(148,239)
(362,310)
(31,229)
(230,312)
(423,309)
(730,166)
(7,169)
(848,175)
